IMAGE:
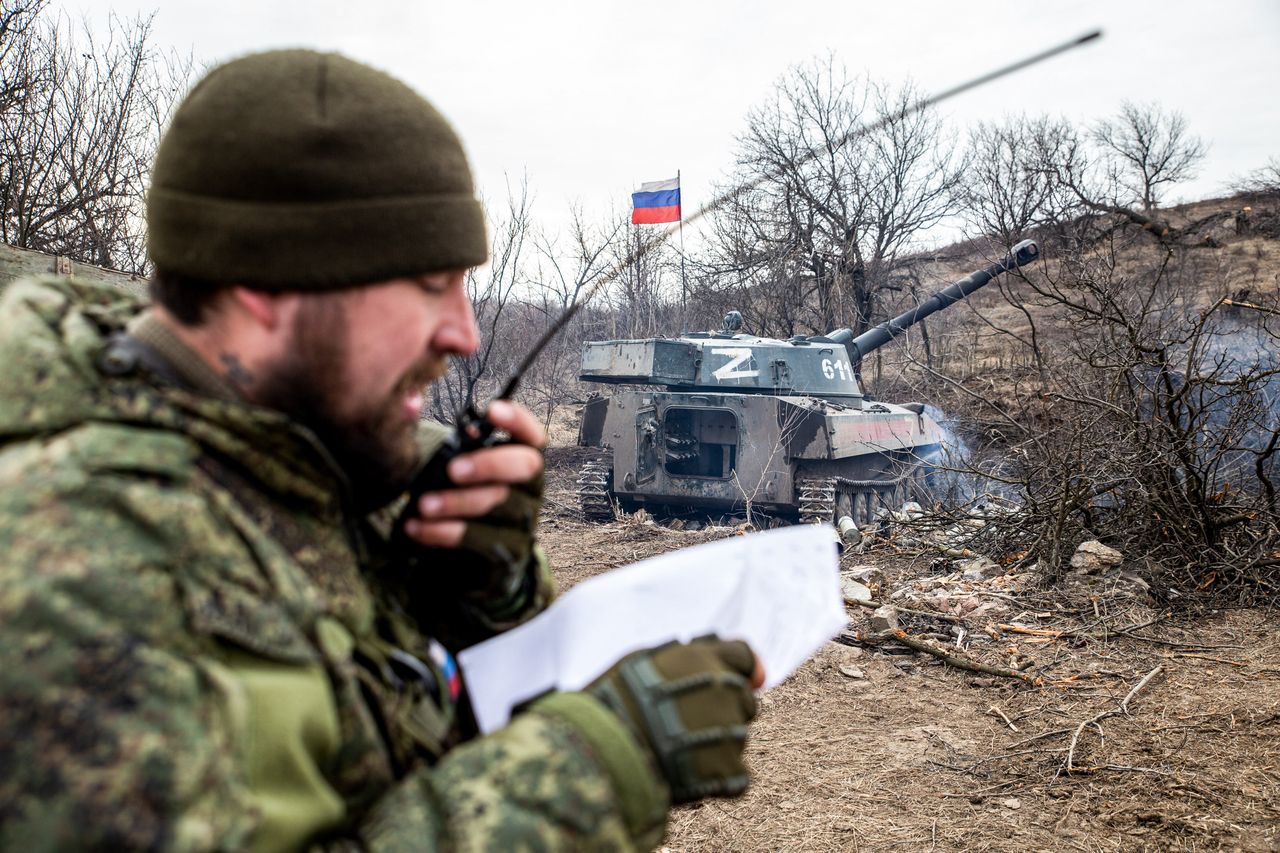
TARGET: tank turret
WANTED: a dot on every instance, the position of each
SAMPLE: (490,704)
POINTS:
(725,420)
(819,365)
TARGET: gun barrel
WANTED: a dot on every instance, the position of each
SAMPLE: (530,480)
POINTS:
(878,336)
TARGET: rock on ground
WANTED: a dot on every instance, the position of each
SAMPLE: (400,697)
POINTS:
(883,619)
(1092,557)
(851,589)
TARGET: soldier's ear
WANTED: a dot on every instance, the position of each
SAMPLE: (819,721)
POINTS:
(272,311)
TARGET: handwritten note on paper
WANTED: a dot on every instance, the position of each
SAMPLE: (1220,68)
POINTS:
(779,591)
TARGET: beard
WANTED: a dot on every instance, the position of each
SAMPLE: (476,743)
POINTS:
(376,447)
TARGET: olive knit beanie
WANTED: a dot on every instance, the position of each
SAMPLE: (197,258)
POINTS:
(295,170)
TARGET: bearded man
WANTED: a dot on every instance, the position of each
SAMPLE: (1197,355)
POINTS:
(214,634)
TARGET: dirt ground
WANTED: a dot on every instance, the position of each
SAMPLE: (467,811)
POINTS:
(918,755)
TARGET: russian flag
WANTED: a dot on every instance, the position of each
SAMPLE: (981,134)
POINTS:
(448,666)
(657,201)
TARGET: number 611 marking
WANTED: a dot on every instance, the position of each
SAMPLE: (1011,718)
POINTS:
(830,368)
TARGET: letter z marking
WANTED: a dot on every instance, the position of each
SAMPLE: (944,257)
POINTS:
(736,355)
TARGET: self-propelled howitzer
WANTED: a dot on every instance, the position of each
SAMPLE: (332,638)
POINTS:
(726,420)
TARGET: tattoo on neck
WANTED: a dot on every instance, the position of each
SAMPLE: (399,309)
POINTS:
(237,374)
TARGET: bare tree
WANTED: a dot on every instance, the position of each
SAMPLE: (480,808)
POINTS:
(560,278)
(1147,150)
(528,285)
(78,135)
(646,294)
(18,25)
(1011,185)
(818,237)
(492,289)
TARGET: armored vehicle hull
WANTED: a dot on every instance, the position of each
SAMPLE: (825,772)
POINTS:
(728,422)
(799,456)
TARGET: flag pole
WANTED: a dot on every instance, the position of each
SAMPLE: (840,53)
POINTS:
(684,285)
(639,285)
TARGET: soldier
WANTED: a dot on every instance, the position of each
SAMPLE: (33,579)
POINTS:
(207,637)
(1241,220)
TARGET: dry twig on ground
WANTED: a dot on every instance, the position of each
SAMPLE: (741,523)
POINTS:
(1123,708)
(951,656)
(872,604)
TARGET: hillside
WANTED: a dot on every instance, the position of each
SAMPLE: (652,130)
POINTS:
(977,338)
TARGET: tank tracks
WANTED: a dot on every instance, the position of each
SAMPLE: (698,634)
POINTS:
(823,500)
(817,499)
(595,482)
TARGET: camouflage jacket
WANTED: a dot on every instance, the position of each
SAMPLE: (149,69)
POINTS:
(201,648)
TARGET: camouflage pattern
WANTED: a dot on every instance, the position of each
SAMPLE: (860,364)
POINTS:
(201,648)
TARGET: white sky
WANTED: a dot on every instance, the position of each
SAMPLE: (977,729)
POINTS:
(591,97)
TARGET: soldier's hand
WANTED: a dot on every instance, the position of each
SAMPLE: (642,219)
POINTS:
(491,515)
(690,703)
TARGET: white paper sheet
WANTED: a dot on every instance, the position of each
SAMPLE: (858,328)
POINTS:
(778,590)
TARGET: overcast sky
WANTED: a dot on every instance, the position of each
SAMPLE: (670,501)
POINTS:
(591,98)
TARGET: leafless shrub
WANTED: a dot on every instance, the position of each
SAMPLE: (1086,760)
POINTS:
(1121,399)
(1264,180)
(1152,424)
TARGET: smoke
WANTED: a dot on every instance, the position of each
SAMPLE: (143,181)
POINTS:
(1228,393)
(964,476)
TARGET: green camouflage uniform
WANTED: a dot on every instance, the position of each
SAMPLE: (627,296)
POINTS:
(200,647)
